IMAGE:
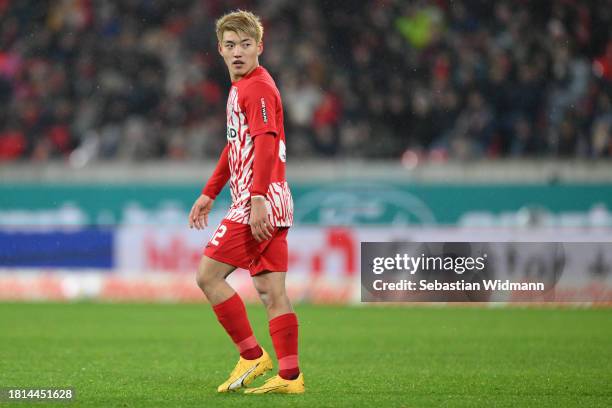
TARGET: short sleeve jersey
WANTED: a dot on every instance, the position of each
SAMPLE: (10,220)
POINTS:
(254,107)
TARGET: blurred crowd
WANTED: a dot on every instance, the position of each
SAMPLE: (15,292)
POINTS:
(84,80)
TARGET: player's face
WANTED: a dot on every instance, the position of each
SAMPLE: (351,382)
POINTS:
(240,53)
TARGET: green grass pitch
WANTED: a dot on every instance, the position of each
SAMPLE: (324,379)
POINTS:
(144,355)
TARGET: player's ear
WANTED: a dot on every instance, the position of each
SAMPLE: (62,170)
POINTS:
(219,48)
(260,48)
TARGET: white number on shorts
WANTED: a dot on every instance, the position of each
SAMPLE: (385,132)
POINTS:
(218,234)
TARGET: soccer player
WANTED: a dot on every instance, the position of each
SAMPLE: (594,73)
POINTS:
(253,234)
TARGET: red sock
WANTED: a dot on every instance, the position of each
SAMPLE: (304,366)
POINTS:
(231,313)
(284,333)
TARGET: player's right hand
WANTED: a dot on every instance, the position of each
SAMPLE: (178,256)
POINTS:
(198,216)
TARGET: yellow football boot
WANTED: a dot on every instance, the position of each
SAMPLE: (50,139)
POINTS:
(246,371)
(278,385)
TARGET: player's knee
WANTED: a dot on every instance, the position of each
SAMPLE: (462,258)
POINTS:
(275,300)
(262,289)
(201,279)
(266,294)
(271,293)
(205,278)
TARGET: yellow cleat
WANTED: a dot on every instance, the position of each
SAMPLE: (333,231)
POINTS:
(278,385)
(245,372)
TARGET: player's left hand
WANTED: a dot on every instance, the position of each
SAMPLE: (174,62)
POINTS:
(261,227)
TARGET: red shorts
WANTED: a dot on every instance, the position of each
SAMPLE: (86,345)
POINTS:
(234,244)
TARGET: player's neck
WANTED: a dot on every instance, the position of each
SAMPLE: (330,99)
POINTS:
(239,77)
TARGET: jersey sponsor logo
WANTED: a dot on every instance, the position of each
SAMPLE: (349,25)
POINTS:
(264,113)
(232,134)
(234,117)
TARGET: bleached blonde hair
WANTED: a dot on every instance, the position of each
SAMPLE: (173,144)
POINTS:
(240,21)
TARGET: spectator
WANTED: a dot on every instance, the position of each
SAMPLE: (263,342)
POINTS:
(142,80)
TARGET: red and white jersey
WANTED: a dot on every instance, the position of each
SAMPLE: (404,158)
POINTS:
(254,107)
